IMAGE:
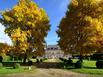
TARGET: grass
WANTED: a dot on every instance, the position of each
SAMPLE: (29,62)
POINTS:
(89,71)
(89,67)
(52,60)
(10,70)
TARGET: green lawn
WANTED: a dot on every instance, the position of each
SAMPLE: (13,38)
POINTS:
(10,70)
(89,67)
(89,71)
(52,60)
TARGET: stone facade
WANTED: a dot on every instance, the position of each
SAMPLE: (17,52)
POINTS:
(54,51)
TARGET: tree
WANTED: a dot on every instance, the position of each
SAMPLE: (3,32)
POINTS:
(81,30)
(27,25)
(4,48)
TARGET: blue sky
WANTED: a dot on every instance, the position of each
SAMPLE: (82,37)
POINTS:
(55,9)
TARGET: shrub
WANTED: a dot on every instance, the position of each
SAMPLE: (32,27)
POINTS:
(79,64)
(66,62)
(1,59)
(41,60)
(16,65)
(37,61)
(62,59)
(30,63)
(69,62)
(1,65)
(97,56)
(99,64)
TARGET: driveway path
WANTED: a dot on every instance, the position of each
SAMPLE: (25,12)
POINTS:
(41,72)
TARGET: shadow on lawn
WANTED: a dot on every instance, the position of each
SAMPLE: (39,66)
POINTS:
(89,67)
(49,65)
(38,65)
(9,68)
(9,64)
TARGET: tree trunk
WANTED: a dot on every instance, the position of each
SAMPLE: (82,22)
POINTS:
(25,57)
(81,58)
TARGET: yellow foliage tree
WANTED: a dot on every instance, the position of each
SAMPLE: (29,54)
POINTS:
(5,48)
(81,30)
(27,25)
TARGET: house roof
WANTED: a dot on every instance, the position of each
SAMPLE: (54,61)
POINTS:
(53,46)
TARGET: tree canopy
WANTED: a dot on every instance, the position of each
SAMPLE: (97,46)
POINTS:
(5,48)
(27,26)
(81,30)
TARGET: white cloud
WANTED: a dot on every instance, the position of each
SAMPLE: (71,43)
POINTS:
(4,38)
(2,41)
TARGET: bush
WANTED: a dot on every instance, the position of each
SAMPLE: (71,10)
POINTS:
(16,65)
(30,63)
(1,65)
(62,59)
(41,60)
(99,64)
(37,61)
(66,62)
(97,56)
(79,64)
(1,59)
(69,62)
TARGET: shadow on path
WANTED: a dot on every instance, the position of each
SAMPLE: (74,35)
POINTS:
(49,65)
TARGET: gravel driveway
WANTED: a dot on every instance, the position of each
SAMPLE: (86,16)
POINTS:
(41,72)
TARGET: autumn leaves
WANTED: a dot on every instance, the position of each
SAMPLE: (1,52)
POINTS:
(81,30)
(27,26)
